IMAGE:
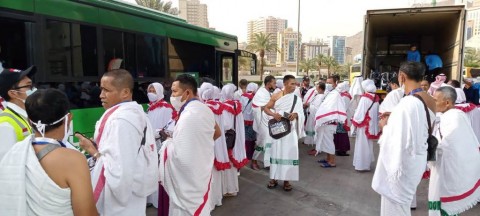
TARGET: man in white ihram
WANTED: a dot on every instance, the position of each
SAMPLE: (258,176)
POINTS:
(126,169)
(186,159)
(455,175)
(284,157)
(264,141)
(403,145)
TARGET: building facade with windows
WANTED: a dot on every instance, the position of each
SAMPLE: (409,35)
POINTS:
(194,12)
(288,47)
(267,25)
(337,48)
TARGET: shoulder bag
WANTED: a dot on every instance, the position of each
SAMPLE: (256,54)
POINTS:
(432,140)
(231,134)
(279,129)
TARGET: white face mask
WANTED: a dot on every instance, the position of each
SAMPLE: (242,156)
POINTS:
(67,130)
(328,87)
(152,97)
(177,102)
(28,93)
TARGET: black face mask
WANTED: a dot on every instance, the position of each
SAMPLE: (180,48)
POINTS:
(271,89)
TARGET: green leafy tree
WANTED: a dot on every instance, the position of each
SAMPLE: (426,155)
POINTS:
(472,57)
(307,65)
(159,5)
(319,59)
(331,63)
(262,43)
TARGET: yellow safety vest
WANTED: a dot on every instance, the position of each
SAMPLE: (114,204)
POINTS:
(19,124)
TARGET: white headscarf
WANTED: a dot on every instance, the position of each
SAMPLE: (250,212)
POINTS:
(206,91)
(356,88)
(369,86)
(342,87)
(158,89)
(279,83)
(228,91)
(217,93)
(252,87)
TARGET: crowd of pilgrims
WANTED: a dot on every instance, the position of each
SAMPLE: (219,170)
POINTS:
(184,161)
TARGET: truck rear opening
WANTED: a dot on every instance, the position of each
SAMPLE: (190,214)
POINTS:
(389,34)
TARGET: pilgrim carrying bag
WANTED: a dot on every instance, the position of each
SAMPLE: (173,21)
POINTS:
(282,127)
(231,134)
(432,140)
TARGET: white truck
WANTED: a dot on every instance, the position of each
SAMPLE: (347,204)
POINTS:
(389,33)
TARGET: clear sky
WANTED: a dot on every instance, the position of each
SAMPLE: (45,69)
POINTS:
(318,19)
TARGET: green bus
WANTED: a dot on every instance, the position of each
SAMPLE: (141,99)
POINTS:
(72,43)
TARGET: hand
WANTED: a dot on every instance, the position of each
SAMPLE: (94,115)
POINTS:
(163,135)
(86,144)
(277,116)
(383,120)
(305,105)
(292,116)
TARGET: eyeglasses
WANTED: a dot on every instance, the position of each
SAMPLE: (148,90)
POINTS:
(25,86)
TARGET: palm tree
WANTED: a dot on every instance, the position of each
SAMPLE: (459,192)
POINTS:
(472,57)
(330,62)
(159,5)
(319,59)
(262,43)
(307,65)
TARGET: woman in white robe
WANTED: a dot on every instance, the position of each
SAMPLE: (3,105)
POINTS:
(160,114)
(232,114)
(365,122)
(221,161)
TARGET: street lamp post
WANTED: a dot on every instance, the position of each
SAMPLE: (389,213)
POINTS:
(298,38)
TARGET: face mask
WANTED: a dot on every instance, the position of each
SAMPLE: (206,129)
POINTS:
(328,87)
(177,102)
(31,91)
(28,93)
(67,130)
(152,97)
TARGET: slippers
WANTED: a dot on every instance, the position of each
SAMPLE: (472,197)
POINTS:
(255,167)
(272,184)
(322,161)
(312,152)
(287,187)
(327,165)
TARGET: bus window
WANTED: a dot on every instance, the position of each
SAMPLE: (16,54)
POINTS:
(71,49)
(150,56)
(113,46)
(13,46)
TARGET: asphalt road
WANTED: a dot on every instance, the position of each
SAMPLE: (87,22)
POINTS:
(339,191)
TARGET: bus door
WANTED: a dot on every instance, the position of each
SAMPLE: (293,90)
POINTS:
(226,68)
(247,64)
(16,40)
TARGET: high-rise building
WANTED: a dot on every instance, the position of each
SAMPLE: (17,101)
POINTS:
(312,49)
(337,48)
(267,25)
(194,12)
(288,46)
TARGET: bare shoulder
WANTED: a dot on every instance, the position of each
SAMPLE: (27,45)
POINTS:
(65,157)
(277,95)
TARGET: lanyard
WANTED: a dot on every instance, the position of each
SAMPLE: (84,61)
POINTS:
(44,141)
(415,91)
(183,107)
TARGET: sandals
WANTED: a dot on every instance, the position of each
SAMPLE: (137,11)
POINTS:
(312,152)
(255,166)
(327,165)
(272,184)
(322,161)
(287,187)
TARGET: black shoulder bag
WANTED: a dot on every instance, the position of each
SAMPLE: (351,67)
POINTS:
(231,134)
(279,129)
(432,140)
